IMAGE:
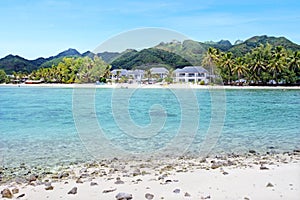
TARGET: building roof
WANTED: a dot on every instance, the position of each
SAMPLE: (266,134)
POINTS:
(136,72)
(191,69)
(123,72)
(159,70)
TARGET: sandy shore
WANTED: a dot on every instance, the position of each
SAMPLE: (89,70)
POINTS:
(250,176)
(171,86)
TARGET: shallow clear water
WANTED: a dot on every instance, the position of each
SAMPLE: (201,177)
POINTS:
(41,125)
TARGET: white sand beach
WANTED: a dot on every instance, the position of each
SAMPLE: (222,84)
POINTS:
(234,177)
(151,86)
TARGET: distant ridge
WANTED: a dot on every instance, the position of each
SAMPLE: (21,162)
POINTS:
(246,46)
(191,51)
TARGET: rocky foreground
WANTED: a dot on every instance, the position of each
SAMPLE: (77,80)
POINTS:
(249,176)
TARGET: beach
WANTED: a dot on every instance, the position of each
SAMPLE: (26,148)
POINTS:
(248,176)
(150,86)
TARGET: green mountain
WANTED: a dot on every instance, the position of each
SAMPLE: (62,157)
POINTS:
(172,54)
(193,51)
(13,63)
(148,57)
(16,63)
(246,46)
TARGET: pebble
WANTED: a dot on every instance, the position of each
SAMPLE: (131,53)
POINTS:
(6,193)
(136,172)
(73,191)
(207,197)
(176,191)
(225,173)
(109,190)
(93,183)
(252,151)
(63,175)
(187,194)
(216,165)
(123,196)
(49,187)
(269,185)
(119,181)
(32,178)
(79,180)
(15,190)
(262,167)
(149,196)
(20,196)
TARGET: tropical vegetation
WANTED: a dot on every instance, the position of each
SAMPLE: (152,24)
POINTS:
(74,70)
(3,77)
(265,64)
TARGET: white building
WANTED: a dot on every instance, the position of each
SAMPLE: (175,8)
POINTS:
(191,74)
(160,71)
(136,75)
(133,75)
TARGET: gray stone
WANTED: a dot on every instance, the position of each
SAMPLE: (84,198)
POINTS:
(79,180)
(262,167)
(216,165)
(109,190)
(176,191)
(252,151)
(225,173)
(187,194)
(73,191)
(32,178)
(269,185)
(20,196)
(123,196)
(149,196)
(63,175)
(93,183)
(119,181)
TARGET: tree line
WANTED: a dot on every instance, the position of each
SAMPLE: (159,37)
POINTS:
(263,65)
(69,70)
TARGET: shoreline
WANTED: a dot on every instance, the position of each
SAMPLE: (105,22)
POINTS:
(151,86)
(252,176)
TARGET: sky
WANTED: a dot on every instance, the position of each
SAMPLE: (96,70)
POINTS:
(42,28)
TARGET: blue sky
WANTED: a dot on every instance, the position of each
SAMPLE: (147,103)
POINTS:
(40,28)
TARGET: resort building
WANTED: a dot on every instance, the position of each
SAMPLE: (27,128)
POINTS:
(136,75)
(116,74)
(160,71)
(191,74)
(132,75)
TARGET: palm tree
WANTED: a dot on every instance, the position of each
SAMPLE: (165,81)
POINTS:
(210,59)
(294,62)
(226,64)
(257,61)
(107,72)
(240,68)
(148,75)
(277,64)
(169,78)
(118,75)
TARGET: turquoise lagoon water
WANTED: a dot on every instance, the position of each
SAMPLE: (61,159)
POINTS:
(37,125)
